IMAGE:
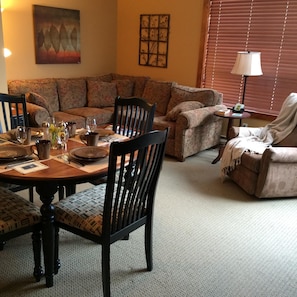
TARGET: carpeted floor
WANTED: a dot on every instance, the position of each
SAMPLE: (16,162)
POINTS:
(210,239)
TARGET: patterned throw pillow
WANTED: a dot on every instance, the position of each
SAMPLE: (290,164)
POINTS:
(72,93)
(184,106)
(101,94)
(125,87)
(37,99)
(139,82)
(158,92)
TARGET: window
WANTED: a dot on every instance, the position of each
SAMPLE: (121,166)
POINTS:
(255,25)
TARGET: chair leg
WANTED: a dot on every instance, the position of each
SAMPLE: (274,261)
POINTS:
(148,246)
(61,192)
(56,256)
(106,269)
(2,244)
(31,194)
(36,241)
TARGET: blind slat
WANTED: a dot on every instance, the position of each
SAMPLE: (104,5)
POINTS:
(258,25)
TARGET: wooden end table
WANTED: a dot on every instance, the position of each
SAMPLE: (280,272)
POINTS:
(231,116)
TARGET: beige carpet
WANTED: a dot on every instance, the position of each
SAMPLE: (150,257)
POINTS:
(210,239)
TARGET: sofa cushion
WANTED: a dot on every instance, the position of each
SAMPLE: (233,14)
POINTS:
(125,87)
(139,82)
(101,94)
(158,92)
(102,115)
(183,106)
(47,88)
(160,123)
(72,93)
(37,99)
(183,93)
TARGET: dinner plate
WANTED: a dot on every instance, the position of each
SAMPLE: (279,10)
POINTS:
(89,153)
(12,152)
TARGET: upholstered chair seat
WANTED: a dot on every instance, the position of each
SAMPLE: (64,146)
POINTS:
(18,217)
(84,210)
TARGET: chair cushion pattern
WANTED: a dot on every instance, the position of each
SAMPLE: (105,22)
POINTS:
(16,212)
(83,210)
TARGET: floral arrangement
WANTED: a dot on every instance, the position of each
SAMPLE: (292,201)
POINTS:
(57,135)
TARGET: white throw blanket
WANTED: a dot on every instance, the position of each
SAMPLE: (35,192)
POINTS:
(263,137)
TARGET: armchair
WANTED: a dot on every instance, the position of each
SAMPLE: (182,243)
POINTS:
(267,163)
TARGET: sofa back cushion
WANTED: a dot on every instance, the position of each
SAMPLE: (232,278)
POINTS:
(47,88)
(158,92)
(180,93)
(101,94)
(72,93)
(104,77)
(139,82)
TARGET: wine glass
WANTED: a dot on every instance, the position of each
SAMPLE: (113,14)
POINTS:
(91,125)
(21,134)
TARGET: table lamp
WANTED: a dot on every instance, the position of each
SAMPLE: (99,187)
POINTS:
(247,64)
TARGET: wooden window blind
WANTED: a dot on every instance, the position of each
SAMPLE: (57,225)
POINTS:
(255,25)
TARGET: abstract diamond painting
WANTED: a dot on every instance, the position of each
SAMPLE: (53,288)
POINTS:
(56,35)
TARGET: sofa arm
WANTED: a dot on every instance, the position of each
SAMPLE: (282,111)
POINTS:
(278,173)
(280,155)
(197,117)
(37,114)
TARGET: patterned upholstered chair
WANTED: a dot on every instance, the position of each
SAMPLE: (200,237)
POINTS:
(110,212)
(18,217)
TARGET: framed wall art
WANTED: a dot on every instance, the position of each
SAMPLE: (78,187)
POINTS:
(153,40)
(56,35)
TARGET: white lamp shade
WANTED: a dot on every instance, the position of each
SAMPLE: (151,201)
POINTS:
(248,64)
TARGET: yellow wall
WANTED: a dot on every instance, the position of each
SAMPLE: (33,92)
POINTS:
(98,21)
(3,84)
(185,27)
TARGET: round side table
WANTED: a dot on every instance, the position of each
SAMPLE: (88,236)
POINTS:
(231,116)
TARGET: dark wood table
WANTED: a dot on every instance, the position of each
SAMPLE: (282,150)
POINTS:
(46,182)
(231,117)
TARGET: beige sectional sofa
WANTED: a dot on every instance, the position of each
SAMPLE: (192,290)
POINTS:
(189,112)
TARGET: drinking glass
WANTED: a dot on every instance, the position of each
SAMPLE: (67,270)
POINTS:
(91,125)
(21,134)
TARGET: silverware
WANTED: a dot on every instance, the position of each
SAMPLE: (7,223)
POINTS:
(11,165)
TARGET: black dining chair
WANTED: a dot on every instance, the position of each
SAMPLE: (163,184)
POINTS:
(18,217)
(132,116)
(109,212)
(14,111)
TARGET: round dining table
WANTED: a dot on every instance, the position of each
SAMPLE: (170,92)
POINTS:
(47,181)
